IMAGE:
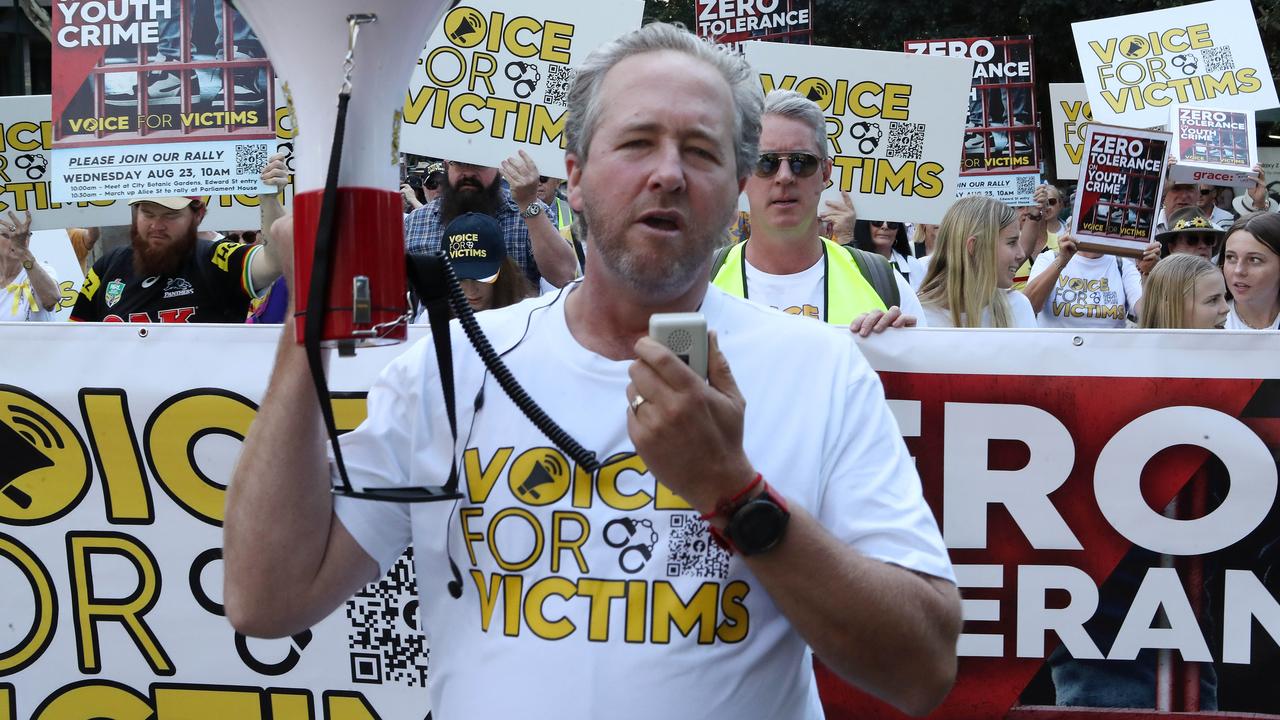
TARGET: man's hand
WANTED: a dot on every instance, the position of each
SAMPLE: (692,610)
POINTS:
(18,230)
(275,173)
(1150,256)
(410,197)
(877,321)
(1258,193)
(688,432)
(841,215)
(522,175)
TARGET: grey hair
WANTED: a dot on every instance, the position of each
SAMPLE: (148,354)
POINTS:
(791,104)
(744,85)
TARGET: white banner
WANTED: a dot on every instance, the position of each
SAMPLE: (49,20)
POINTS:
(494,78)
(894,121)
(1069,108)
(111,498)
(26,137)
(1207,54)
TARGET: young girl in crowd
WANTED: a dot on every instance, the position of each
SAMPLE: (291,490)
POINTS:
(889,238)
(1250,264)
(1184,291)
(976,255)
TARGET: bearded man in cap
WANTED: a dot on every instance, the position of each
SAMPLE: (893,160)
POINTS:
(167,274)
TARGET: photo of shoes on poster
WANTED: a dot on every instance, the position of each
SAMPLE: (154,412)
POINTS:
(1120,184)
(158,97)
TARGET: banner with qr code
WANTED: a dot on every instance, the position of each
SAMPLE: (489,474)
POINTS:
(494,78)
(894,121)
(26,176)
(158,97)
(1136,67)
(1013,190)
(114,473)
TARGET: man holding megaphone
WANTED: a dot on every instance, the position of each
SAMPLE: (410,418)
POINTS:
(737,521)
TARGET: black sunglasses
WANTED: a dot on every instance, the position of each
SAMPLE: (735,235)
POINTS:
(1052,201)
(1193,240)
(542,178)
(802,164)
(887,224)
(1206,191)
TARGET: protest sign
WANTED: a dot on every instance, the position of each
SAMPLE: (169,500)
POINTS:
(494,79)
(1002,134)
(1216,147)
(158,97)
(1119,190)
(1269,158)
(894,121)
(1070,111)
(731,22)
(54,249)
(1207,54)
(26,144)
(1035,450)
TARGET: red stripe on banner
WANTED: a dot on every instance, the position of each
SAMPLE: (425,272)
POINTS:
(1092,411)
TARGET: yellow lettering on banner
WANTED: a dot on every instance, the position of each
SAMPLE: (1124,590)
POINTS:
(607,483)
(128,611)
(171,436)
(96,699)
(512,589)
(485,74)
(190,703)
(430,67)
(471,537)
(602,593)
(460,123)
(501,109)
(536,618)
(19,136)
(488,596)
(545,128)
(511,36)
(574,545)
(8,704)
(115,449)
(556,38)
(349,410)
(667,500)
(291,705)
(340,705)
(480,481)
(46,607)
(538,542)
(51,474)
(669,609)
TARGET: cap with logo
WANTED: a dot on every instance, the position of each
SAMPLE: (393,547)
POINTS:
(173,203)
(474,244)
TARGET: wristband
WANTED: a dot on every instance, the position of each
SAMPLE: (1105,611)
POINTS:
(726,508)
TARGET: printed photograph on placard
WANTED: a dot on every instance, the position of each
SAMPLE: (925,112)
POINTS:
(158,97)
(1118,195)
(1213,146)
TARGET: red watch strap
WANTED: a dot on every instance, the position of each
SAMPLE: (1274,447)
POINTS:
(726,508)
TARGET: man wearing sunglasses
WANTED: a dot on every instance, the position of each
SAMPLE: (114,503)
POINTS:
(786,263)
(1190,231)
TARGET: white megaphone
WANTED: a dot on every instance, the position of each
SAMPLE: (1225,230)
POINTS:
(308,42)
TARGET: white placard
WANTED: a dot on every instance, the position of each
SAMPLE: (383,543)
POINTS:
(894,121)
(1207,54)
(495,76)
(1070,111)
(1213,146)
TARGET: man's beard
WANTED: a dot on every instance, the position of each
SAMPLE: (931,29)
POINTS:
(657,278)
(455,201)
(151,260)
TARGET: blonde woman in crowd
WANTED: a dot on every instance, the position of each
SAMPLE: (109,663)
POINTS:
(976,256)
(1184,292)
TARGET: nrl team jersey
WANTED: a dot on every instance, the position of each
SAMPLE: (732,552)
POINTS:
(213,286)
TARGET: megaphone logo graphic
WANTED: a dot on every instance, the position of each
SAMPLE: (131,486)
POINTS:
(462,24)
(44,468)
(539,477)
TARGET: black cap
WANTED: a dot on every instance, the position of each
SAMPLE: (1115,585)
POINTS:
(474,244)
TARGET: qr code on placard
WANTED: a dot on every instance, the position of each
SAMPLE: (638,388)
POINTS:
(1026,185)
(250,159)
(385,637)
(906,140)
(691,551)
(559,79)
(1218,59)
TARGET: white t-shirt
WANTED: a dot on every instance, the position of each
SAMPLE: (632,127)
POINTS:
(1089,293)
(1235,323)
(1019,306)
(910,267)
(555,620)
(801,293)
(18,302)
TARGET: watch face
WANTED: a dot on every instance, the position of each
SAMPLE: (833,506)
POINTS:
(757,526)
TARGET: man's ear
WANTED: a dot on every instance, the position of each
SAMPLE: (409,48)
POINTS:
(826,171)
(573,167)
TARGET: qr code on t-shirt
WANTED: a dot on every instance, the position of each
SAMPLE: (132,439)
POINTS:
(250,159)
(1218,59)
(385,637)
(559,79)
(1026,184)
(906,140)
(691,552)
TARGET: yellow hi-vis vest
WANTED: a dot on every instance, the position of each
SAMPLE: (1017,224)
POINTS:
(564,215)
(846,293)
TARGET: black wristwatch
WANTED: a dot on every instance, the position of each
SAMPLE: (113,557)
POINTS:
(759,524)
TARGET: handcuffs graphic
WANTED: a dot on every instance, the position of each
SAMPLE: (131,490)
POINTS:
(524,87)
(867,134)
(34,164)
(1186,61)
(614,539)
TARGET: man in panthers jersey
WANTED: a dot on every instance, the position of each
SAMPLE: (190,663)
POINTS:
(169,275)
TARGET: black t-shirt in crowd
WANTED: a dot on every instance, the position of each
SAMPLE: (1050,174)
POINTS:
(213,286)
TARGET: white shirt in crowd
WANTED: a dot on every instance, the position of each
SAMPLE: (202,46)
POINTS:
(910,267)
(1235,323)
(1019,307)
(18,302)
(1089,292)
(802,293)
